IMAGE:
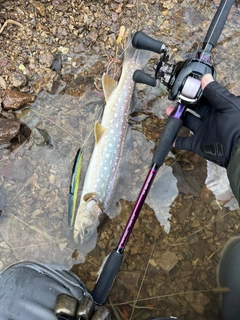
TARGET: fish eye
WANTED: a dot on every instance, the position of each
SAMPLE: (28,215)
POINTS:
(87,232)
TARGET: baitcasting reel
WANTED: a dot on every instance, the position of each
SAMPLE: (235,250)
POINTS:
(182,79)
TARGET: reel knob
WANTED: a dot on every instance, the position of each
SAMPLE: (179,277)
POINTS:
(140,77)
(142,41)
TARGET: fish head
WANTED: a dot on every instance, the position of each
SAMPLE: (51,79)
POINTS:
(86,223)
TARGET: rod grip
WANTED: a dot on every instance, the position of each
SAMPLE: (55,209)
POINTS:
(218,23)
(107,277)
(168,136)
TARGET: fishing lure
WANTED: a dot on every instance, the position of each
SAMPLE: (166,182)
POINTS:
(74,186)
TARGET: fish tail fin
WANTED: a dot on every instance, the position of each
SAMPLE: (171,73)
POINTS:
(131,53)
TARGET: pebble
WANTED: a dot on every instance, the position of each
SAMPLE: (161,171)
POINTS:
(8,129)
(19,80)
(167,261)
(46,59)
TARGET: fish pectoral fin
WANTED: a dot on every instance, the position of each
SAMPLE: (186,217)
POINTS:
(109,84)
(89,195)
(98,131)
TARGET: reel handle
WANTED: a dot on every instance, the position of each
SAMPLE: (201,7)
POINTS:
(217,24)
(142,41)
(140,77)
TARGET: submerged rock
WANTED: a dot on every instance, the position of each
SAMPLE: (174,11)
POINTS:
(168,261)
(8,129)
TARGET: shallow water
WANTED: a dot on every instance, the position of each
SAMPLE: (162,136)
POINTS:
(190,197)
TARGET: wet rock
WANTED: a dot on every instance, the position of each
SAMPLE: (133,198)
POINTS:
(186,183)
(79,48)
(8,129)
(187,269)
(200,302)
(220,221)
(201,249)
(41,137)
(168,261)
(57,63)
(15,100)
(7,114)
(18,80)
(73,121)
(130,278)
(49,82)
(46,60)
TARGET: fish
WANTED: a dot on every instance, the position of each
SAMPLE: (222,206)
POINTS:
(110,134)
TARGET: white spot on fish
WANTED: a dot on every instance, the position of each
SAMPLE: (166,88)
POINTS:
(105,168)
(107,155)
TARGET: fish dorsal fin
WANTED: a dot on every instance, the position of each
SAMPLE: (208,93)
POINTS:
(98,131)
(109,84)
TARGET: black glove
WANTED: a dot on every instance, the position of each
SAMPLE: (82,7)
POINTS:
(217,128)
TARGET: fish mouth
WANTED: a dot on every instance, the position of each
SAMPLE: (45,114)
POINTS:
(85,245)
(77,236)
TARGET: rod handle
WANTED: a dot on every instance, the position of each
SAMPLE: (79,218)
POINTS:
(169,134)
(107,277)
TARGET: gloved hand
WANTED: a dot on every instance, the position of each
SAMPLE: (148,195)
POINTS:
(217,128)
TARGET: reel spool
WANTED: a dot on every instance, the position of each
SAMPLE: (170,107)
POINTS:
(191,90)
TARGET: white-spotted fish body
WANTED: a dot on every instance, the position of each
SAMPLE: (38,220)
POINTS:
(102,172)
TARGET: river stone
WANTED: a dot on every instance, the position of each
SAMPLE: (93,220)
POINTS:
(18,80)
(200,301)
(46,59)
(15,100)
(168,261)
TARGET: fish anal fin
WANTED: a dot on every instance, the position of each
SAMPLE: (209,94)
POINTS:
(109,84)
(98,131)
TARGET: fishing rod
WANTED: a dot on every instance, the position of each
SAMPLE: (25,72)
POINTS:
(183,82)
